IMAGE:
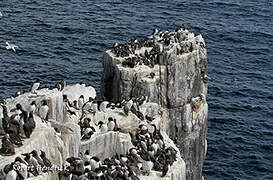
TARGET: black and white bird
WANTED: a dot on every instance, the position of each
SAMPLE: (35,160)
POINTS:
(147,165)
(29,125)
(81,101)
(86,156)
(46,162)
(155,31)
(95,163)
(43,111)
(21,165)
(32,162)
(111,124)
(63,84)
(12,175)
(38,158)
(35,85)
(103,106)
(11,46)
(103,127)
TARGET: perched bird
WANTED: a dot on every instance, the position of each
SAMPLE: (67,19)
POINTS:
(32,162)
(17,93)
(95,163)
(63,84)
(87,156)
(21,167)
(29,125)
(43,111)
(46,162)
(11,46)
(12,175)
(155,31)
(165,169)
(7,147)
(31,107)
(147,165)
(87,135)
(38,158)
(103,105)
(148,118)
(111,124)
(81,101)
(35,86)
(103,127)
(126,110)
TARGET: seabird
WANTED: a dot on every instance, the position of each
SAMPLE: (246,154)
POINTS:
(11,46)
(38,158)
(87,135)
(155,31)
(126,110)
(87,156)
(111,124)
(148,118)
(29,125)
(103,127)
(7,147)
(46,162)
(88,105)
(35,85)
(165,168)
(32,162)
(81,101)
(63,84)
(43,111)
(31,107)
(17,93)
(22,167)
(12,175)
(95,163)
(152,74)
(147,165)
(103,106)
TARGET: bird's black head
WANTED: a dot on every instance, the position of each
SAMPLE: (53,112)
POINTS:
(65,97)
(18,106)
(44,102)
(87,152)
(100,123)
(37,80)
(34,153)
(42,153)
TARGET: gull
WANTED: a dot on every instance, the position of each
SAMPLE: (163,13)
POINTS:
(11,46)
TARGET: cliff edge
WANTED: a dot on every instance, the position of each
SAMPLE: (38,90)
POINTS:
(170,68)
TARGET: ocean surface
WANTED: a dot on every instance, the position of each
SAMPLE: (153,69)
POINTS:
(67,38)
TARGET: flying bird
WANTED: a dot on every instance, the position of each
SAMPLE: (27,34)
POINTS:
(11,46)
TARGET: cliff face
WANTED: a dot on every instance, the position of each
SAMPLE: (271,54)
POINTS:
(178,84)
(58,147)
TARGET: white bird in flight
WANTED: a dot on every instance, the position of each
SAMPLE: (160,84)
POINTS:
(11,46)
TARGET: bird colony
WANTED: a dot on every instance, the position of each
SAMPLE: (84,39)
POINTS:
(148,152)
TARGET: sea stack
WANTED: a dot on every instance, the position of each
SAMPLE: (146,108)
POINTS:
(178,67)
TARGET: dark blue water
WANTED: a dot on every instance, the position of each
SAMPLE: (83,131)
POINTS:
(67,38)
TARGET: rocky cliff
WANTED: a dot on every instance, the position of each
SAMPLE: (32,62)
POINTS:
(171,70)
(67,143)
